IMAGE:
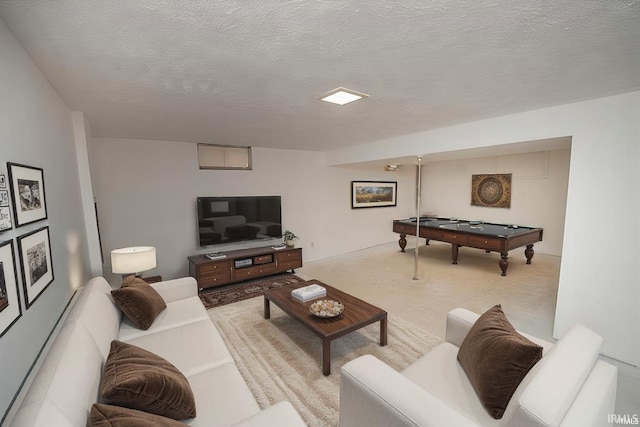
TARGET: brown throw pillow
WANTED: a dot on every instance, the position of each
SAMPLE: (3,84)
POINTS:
(116,416)
(138,379)
(131,280)
(496,358)
(139,302)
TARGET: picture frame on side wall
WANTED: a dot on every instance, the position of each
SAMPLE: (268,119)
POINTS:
(5,214)
(28,194)
(36,263)
(5,219)
(3,181)
(10,309)
(373,194)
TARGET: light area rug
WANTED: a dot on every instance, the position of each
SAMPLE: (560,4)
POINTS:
(281,360)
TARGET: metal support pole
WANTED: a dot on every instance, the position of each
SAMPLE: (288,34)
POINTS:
(418,195)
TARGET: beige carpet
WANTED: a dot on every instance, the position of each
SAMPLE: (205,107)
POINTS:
(281,360)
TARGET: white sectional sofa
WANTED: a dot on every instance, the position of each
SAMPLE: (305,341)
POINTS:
(68,381)
(568,387)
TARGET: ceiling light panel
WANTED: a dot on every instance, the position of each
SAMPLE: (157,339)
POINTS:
(342,96)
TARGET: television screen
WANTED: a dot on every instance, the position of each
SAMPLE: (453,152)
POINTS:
(224,220)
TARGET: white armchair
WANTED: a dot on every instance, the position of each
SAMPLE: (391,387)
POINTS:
(569,386)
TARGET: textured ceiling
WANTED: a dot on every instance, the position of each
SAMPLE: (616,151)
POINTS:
(251,72)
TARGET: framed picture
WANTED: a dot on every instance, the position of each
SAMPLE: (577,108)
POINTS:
(27,189)
(373,194)
(3,181)
(492,190)
(36,263)
(10,310)
(4,198)
(5,219)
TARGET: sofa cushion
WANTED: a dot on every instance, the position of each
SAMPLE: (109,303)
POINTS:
(222,397)
(177,313)
(496,358)
(194,347)
(140,303)
(138,379)
(439,374)
(102,415)
(97,311)
(67,382)
(176,289)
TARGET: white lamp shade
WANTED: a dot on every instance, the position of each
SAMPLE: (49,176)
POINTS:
(133,260)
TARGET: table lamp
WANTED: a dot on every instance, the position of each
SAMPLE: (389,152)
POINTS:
(133,260)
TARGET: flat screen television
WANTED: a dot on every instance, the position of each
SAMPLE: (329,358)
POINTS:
(223,220)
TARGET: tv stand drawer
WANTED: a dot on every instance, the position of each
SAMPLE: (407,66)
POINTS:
(289,260)
(217,279)
(215,267)
(255,271)
(263,259)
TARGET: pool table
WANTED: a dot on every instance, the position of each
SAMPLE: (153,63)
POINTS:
(474,234)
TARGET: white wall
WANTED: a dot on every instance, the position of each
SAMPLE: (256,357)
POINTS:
(146,193)
(539,192)
(82,137)
(36,130)
(600,265)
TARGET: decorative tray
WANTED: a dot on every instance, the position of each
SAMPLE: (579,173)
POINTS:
(326,308)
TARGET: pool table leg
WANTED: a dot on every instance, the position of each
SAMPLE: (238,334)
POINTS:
(402,242)
(454,253)
(504,262)
(529,253)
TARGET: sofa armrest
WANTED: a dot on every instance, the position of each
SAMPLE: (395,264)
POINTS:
(374,394)
(459,321)
(560,378)
(280,414)
(176,289)
(597,398)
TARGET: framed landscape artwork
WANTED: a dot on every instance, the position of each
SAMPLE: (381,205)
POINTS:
(373,194)
(27,190)
(36,263)
(10,310)
(492,190)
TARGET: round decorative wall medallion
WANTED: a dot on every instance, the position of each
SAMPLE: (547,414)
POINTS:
(490,191)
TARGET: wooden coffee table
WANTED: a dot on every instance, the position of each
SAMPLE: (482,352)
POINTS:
(356,315)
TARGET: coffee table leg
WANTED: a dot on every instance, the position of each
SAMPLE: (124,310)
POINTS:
(383,332)
(267,309)
(326,357)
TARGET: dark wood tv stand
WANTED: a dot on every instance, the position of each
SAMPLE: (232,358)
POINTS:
(242,265)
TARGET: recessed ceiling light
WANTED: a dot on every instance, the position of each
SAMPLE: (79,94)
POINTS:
(342,96)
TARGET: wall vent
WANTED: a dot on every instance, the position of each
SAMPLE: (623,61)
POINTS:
(212,156)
